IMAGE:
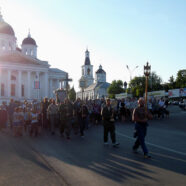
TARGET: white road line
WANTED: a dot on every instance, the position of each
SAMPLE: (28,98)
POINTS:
(154,145)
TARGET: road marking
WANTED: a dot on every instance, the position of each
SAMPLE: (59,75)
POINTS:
(154,145)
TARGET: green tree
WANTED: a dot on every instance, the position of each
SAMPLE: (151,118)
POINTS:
(137,85)
(72,94)
(116,87)
(172,83)
(181,79)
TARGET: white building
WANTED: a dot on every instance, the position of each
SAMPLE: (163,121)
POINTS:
(93,90)
(22,74)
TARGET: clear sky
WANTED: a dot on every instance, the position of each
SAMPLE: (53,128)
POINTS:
(117,33)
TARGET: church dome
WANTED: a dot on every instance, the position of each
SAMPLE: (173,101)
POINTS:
(5,28)
(100,70)
(29,41)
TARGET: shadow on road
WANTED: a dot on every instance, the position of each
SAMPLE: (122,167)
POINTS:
(117,164)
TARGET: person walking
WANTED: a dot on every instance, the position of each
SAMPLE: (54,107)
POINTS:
(34,123)
(3,116)
(52,112)
(66,117)
(11,108)
(84,116)
(140,117)
(108,123)
(44,107)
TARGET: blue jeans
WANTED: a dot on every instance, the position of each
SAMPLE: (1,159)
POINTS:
(141,130)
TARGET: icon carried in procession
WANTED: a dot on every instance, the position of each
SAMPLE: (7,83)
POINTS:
(61,95)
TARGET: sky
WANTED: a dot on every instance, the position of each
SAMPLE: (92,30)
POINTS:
(116,32)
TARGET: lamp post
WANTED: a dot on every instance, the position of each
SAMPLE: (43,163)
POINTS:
(147,69)
(125,85)
(131,71)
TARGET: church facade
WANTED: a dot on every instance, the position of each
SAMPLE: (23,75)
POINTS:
(22,74)
(93,89)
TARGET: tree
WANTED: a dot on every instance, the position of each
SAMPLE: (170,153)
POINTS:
(72,94)
(116,87)
(137,85)
(172,83)
(181,79)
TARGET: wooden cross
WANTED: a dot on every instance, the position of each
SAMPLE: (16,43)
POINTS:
(67,80)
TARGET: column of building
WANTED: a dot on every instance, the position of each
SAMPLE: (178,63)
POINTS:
(46,84)
(19,86)
(50,88)
(28,84)
(9,83)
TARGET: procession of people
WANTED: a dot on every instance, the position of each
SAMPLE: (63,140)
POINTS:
(66,117)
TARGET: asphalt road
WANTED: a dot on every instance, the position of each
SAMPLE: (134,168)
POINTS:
(52,160)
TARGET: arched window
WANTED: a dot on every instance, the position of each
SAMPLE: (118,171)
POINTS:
(2,89)
(10,46)
(3,45)
(13,89)
(22,90)
(88,71)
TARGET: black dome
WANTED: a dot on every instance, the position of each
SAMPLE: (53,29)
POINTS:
(87,61)
(28,41)
(100,71)
(5,28)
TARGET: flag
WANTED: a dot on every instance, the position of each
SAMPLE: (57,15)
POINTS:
(36,85)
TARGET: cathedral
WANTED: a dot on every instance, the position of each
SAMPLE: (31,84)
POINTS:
(22,74)
(92,90)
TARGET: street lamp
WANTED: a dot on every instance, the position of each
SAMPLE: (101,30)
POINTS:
(147,69)
(131,71)
(125,85)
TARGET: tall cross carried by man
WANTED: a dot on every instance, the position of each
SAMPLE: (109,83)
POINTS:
(66,80)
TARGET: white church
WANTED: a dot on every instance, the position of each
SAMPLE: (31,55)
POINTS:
(92,90)
(22,74)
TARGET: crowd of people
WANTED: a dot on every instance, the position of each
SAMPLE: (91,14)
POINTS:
(32,116)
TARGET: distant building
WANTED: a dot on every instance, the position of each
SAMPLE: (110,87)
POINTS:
(22,74)
(93,90)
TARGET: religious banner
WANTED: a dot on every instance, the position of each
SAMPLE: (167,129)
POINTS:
(61,94)
(36,84)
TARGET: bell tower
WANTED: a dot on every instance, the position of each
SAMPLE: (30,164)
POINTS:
(87,69)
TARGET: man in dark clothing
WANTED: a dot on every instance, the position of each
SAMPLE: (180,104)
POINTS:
(77,115)
(66,117)
(44,108)
(108,123)
(84,114)
(11,109)
(140,117)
